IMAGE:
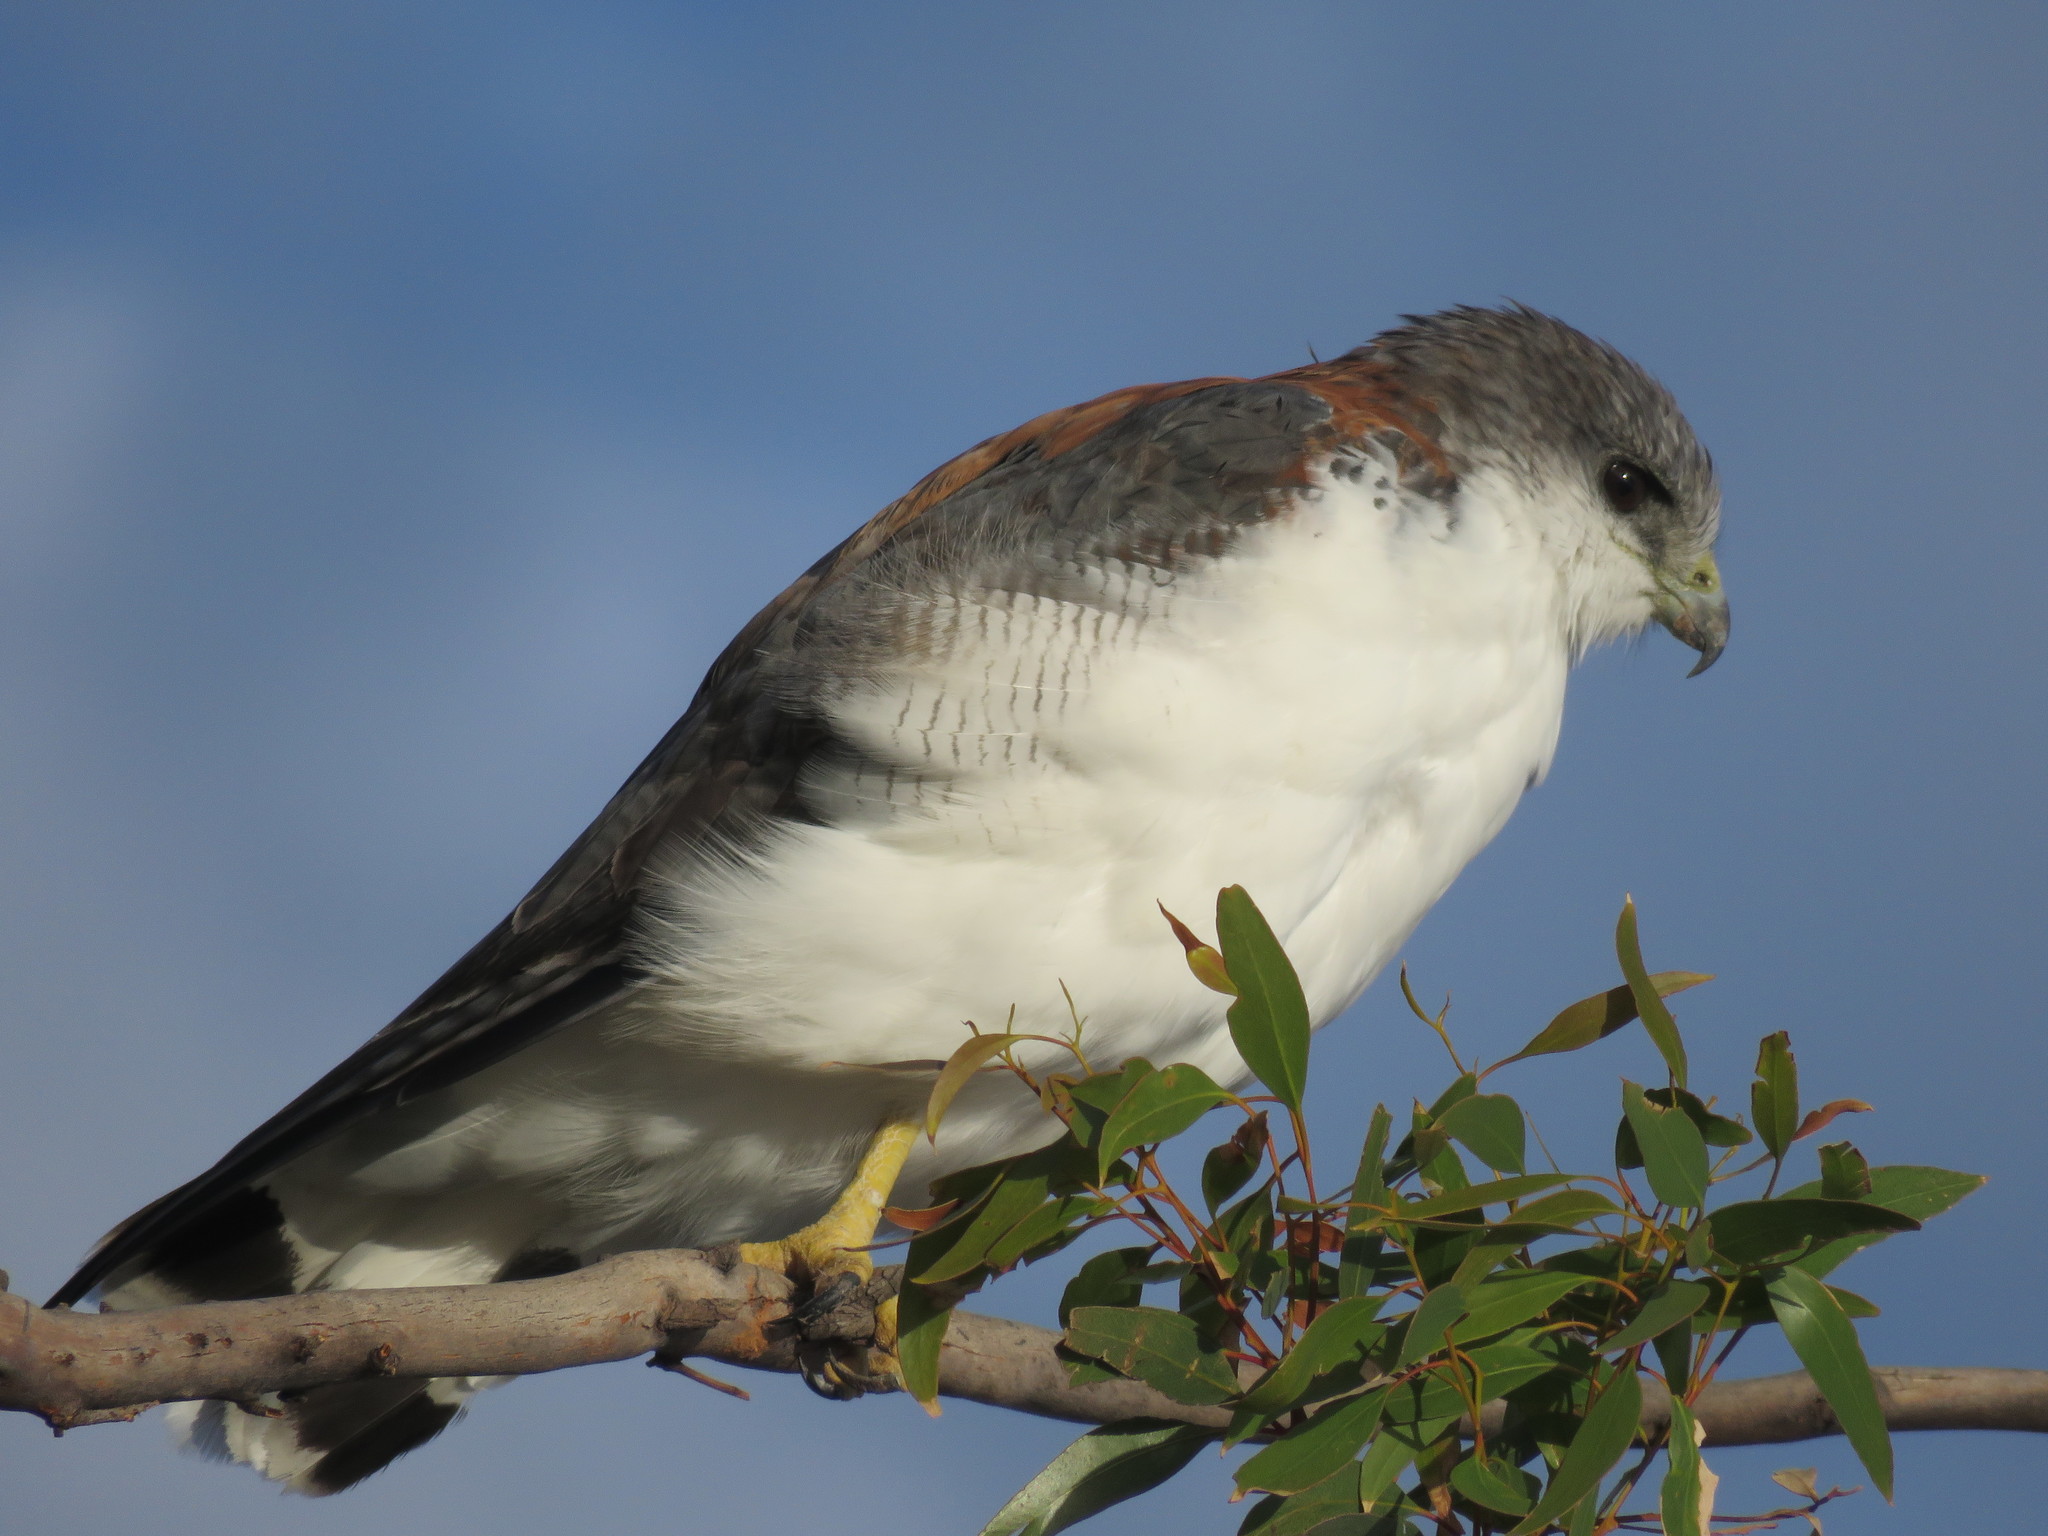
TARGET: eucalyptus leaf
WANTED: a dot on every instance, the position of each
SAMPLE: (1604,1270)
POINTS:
(1111,1279)
(1095,1096)
(1602,1436)
(1044,1231)
(1158,1107)
(1491,1370)
(1157,1347)
(1316,1449)
(1774,1096)
(1657,1020)
(1674,1153)
(1496,1485)
(1310,1510)
(1756,1231)
(1911,1190)
(1715,1130)
(1102,1468)
(1478,1196)
(1686,1501)
(1662,1310)
(1844,1172)
(921,1319)
(1382,1465)
(1507,1301)
(1566,1209)
(1341,1334)
(1826,1343)
(948,1252)
(1428,1324)
(1269,1022)
(1491,1128)
(976,1053)
(1596,1017)
(1363,1242)
(1228,1168)
(1463,1086)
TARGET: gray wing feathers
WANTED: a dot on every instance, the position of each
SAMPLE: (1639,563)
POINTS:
(1171,481)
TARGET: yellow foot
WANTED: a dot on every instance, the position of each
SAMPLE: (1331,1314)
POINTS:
(829,1256)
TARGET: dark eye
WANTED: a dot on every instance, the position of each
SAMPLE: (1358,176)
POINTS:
(1628,487)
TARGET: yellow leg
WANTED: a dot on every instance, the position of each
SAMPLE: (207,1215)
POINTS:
(834,1244)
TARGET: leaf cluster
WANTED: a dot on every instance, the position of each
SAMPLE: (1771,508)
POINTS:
(1449,1340)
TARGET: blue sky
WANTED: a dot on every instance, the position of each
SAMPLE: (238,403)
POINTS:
(400,405)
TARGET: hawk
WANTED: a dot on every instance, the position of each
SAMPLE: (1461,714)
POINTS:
(1308,633)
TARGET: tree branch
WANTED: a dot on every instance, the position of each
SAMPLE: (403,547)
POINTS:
(73,1368)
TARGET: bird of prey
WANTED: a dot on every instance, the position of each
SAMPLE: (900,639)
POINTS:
(1308,633)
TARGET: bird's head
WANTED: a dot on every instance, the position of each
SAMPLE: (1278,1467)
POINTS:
(1616,485)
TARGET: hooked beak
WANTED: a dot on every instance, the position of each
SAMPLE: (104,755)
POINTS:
(1695,609)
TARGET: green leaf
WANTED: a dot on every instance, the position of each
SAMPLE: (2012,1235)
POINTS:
(1674,1152)
(1478,1196)
(1482,1258)
(1509,1300)
(1103,1467)
(1910,1189)
(920,1332)
(1154,1346)
(1228,1168)
(1436,1396)
(1756,1231)
(1715,1130)
(1501,1368)
(1340,1335)
(1920,1192)
(994,1199)
(1044,1231)
(1628,1152)
(1749,1306)
(1674,1355)
(1384,1461)
(1774,1096)
(1298,1514)
(1157,1108)
(1844,1172)
(966,1189)
(1269,1022)
(1657,1020)
(1310,1452)
(1463,1086)
(950,1251)
(1663,1309)
(1598,1016)
(1425,1143)
(1095,1096)
(1681,1500)
(1493,1484)
(1825,1341)
(1443,1171)
(1359,1262)
(1244,1231)
(1109,1279)
(1491,1128)
(1604,1434)
(1566,1209)
(974,1054)
(1428,1324)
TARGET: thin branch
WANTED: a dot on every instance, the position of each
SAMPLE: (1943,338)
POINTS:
(75,1368)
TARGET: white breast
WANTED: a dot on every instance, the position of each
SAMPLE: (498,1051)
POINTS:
(1338,715)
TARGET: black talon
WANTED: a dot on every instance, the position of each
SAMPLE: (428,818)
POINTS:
(839,1309)
(835,1329)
